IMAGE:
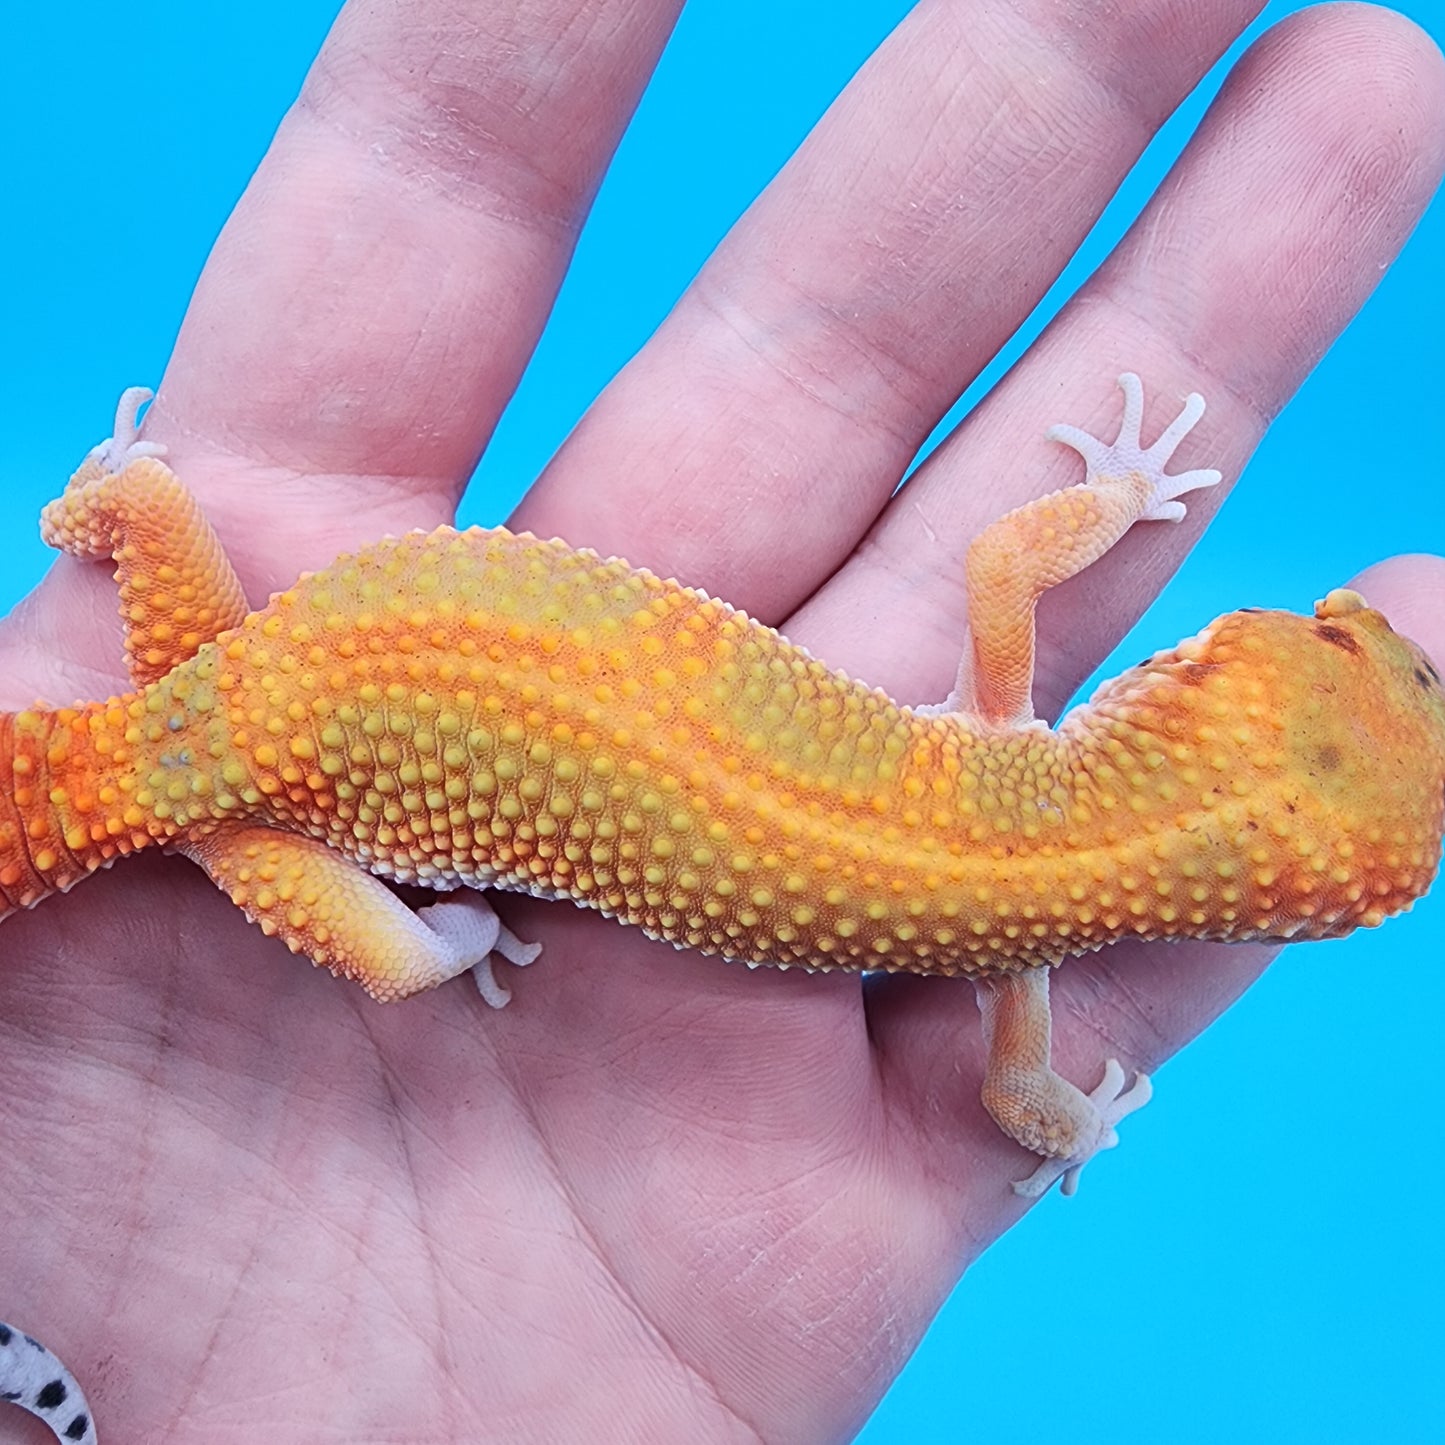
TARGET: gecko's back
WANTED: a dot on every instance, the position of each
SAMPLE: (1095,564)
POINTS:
(479,707)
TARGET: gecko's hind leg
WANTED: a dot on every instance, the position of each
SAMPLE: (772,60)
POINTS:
(178,590)
(1030,1102)
(471,925)
(325,905)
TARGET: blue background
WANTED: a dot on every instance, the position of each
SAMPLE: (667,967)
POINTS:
(1262,1261)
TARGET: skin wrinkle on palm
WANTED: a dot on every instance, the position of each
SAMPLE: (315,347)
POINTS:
(841,1176)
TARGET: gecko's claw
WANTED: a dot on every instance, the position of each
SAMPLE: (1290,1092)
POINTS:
(1127,453)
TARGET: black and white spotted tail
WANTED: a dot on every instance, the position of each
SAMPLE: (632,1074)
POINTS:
(31,1377)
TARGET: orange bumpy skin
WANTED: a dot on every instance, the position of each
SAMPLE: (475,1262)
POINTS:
(483,709)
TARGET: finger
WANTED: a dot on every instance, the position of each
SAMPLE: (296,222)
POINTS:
(62,642)
(372,301)
(370,304)
(1410,591)
(778,406)
(1311,169)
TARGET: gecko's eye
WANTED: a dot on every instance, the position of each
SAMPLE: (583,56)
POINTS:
(1426,673)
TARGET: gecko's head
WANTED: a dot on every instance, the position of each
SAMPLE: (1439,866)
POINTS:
(1319,740)
(1361,715)
(1389,680)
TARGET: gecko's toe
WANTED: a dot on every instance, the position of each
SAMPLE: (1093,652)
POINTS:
(471,926)
(494,994)
(1127,454)
(124,445)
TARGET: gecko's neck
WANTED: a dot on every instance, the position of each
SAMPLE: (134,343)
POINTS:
(67,798)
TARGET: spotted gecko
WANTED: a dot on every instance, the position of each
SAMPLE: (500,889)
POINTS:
(481,709)
(31,1377)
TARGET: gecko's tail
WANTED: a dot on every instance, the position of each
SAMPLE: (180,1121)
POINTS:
(64,809)
(31,1377)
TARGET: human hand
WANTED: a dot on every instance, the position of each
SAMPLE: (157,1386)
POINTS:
(658,1190)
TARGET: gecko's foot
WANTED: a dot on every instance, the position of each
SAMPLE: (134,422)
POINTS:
(1111,1105)
(472,927)
(1129,454)
(113,454)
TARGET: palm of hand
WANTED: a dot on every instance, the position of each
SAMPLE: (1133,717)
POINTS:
(657,1189)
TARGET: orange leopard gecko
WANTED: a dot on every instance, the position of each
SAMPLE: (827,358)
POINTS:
(466,710)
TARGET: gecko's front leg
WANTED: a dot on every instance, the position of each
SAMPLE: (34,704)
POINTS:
(1016,559)
(1010,566)
(1030,1102)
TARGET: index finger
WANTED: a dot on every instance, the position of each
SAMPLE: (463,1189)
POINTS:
(370,305)
(756,436)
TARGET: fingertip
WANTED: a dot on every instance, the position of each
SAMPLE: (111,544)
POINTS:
(1413,42)
(1391,73)
(1404,59)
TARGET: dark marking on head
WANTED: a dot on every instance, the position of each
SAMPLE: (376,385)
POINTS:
(51,1396)
(1250,609)
(1337,636)
(1423,678)
(9,1394)
(4,1335)
(1329,758)
(77,1428)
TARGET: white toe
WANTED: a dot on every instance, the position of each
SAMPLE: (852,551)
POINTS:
(1112,1106)
(1127,453)
(468,922)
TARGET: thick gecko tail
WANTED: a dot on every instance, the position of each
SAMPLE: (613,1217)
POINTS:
(31,1377)
(63,812)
